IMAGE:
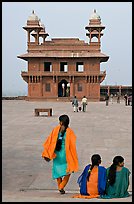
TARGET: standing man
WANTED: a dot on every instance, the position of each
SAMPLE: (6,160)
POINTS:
(84,103)
(75,104)
(126,99)
(118,98)
(107,99)
(111,96)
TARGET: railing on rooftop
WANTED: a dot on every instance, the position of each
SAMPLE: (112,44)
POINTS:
(62,73)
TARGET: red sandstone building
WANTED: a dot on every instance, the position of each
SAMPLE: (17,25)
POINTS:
(63,67)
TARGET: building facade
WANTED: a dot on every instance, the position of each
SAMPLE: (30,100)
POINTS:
(61,68)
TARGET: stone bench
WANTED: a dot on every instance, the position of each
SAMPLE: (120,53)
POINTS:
(38,110)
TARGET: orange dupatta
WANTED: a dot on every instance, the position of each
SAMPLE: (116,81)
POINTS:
(70,147)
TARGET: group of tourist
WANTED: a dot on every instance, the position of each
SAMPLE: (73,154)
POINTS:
(76,106)
(95,181)
(127,98)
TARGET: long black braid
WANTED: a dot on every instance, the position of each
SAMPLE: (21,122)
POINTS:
(112,170)
(65,122)
(96,160)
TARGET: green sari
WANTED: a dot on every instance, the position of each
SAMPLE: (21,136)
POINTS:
(120,188)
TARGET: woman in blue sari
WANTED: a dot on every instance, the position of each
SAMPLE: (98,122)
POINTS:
(92,181)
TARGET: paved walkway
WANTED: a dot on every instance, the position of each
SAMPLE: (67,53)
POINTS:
(26,177)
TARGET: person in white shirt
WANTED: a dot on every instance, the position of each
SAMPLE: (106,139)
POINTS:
(84,103)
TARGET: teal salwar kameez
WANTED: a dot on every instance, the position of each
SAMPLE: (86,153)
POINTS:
(60,163)
(120,188)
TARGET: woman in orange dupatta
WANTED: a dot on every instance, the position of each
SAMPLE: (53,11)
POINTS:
(92,181)
(60,146)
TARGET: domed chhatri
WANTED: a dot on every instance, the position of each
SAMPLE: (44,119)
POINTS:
(33,17)
(94,15)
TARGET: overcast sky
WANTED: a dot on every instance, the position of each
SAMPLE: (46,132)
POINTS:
(67,19)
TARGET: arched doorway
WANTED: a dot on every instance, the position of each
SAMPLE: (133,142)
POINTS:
(63,88)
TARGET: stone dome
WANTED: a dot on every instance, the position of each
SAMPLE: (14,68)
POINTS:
(39,21)
(94,15)
(33,17)
(41,24)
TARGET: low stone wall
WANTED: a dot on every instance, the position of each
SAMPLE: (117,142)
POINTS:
(14,97)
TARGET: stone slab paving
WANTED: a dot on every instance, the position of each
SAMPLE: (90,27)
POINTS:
(26,177)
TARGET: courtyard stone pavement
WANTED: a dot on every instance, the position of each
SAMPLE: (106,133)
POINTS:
(26,177)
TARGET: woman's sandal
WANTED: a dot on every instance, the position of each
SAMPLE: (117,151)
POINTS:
(62,191)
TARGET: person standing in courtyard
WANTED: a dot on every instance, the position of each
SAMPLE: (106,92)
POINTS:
(92,181)
(111,97)
(117,179)
(130,100)
(118,98)
(107,99)
(75,104)
(126,99)
(60,146)
(84,103)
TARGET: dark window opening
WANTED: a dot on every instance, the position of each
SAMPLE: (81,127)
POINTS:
(79,67)
(47,66)
(63,67)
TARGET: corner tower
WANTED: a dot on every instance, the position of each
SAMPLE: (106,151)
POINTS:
(35,28)
(95,28)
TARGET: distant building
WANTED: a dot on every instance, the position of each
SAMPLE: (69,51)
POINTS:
(115,90)
(63,67)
